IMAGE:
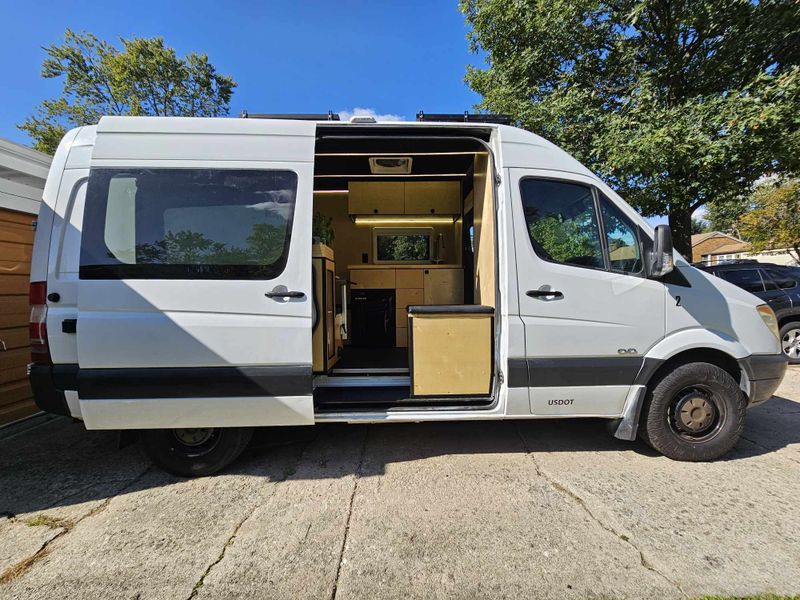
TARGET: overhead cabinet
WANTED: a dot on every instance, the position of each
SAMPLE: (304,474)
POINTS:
(376,198)
(409,198)
(432,198)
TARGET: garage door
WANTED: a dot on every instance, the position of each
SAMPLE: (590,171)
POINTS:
(16,243)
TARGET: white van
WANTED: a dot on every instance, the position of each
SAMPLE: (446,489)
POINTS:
(195,278)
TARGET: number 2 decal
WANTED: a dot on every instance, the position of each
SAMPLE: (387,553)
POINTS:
(677,300)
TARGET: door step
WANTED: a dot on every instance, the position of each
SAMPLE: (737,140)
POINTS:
(370,370)
(364,381)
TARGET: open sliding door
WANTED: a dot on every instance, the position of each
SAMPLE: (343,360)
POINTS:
(194,302)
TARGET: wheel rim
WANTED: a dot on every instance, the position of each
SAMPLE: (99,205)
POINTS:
(696,414)
(791,343)
(194,442)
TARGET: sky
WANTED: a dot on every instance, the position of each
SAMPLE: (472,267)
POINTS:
(393,58)
(390,59)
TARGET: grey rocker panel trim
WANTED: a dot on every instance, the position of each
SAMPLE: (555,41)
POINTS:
(554,372)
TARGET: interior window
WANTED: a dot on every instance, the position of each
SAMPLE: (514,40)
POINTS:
(747,279)
(780,280)
(187,223)
(402,245)
(623,243)
(562,223)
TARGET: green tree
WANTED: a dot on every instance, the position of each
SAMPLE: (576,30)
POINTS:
(699,226)
(723,215)
(774,221)
(674,103)
(144,77)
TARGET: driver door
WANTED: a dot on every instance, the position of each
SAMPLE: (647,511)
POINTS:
(589,312)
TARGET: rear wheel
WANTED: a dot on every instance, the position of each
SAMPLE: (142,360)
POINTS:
(790,342)
(195,452)
(694,413)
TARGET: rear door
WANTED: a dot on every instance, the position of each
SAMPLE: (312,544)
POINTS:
(194,288)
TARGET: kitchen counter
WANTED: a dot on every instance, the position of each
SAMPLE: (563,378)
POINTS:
(404,266)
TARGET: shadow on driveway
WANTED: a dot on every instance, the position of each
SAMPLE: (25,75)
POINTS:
(61,464)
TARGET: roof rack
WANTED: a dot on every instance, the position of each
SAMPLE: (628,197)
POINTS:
(329,116)
(466,117)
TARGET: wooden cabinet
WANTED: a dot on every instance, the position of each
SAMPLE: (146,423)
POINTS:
(443,286)
(323,337)
(406,297)
(451,353)
(432,197)
(376,197)
(372,279)
(408,278)
(413,286)
(409,198)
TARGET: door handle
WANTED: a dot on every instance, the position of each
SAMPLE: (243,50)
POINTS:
(285,294)
(551,294)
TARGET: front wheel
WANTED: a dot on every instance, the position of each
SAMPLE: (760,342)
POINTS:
(195,452)
(694,413)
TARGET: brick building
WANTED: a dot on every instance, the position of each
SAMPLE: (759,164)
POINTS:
(712,247)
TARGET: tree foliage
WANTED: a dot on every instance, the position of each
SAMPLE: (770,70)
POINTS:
(723,215)
(774,221)
(674,103)
(144,77)
(699,226)
(265,245)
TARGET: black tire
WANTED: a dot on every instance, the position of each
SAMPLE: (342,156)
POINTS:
(195,452)
(789,342)
(693,413)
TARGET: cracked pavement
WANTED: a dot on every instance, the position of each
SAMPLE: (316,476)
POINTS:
(535,509)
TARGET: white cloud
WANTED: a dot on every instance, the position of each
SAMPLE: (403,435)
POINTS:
(345,115)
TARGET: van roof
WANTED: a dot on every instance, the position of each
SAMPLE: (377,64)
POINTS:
(519,148)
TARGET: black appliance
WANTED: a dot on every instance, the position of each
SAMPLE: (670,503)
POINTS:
(372,318)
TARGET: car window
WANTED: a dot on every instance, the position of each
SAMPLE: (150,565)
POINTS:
(562,222)
(747,279)
(621,239)
(769,284)
(187,223)
(781,280)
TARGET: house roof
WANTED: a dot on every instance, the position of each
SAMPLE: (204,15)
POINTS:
(23,172)
(702,237)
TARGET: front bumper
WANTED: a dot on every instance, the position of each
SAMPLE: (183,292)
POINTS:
(764,373)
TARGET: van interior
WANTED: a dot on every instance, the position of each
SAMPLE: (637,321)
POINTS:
(404,264)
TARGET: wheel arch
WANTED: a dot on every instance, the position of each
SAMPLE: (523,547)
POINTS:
(654,369)
(786,319)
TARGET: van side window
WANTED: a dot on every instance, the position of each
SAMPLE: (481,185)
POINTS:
(187,223)
(562,222)
(747,279)
(622,242)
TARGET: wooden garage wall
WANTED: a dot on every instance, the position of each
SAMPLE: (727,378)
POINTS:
(16,243)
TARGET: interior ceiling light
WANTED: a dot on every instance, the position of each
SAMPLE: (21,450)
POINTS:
(404,219)
(391,165)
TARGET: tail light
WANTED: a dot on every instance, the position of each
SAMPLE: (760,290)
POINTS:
(40,350)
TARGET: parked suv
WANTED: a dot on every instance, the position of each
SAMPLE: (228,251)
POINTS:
(779,286)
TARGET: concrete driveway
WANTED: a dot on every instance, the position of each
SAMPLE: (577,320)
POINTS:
(538,509)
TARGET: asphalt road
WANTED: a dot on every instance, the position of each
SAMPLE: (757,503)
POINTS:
(538,509)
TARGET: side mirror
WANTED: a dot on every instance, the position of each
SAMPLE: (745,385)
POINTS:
(661,261)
